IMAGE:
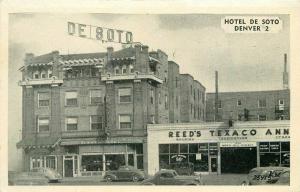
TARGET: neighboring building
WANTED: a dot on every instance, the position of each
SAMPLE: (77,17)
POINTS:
(192,94)
(216,148)
(84,114)
(249,106)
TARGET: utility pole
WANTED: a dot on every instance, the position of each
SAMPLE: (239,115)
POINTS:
(216,96)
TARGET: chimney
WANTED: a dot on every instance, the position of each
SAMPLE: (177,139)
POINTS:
(110,50)
(137,47)
(285,74)
(28,58)
(145,49)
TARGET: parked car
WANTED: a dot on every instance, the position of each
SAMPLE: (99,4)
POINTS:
(183,168)
(264,175)
(284,178)
(124,173)
(37,176)
(170,177)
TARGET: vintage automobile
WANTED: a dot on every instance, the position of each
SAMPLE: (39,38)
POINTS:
(37,176)
(284,178)
(124,173)
(170,177)
(264,175)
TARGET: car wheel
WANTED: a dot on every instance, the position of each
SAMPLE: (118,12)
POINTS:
(135,178)
(108,178)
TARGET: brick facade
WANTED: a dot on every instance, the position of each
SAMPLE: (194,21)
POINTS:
(155,87)
(230,108)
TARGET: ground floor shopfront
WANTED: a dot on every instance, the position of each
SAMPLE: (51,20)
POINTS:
(86,157)
(215,148)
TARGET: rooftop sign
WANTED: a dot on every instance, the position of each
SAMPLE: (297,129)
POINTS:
(100,33)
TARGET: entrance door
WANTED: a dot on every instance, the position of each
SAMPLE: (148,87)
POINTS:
(68,164)
(213,164)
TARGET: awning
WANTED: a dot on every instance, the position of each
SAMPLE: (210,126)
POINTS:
(38,142)
(91,141)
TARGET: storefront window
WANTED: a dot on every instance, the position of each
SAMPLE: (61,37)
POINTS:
(113,162)
(164,161)
(193,148)
(174,148)
(91,163)
(274,154)
(140,161)
(164,148)
(184,148)
(130,159)
(51,162)
(197,154)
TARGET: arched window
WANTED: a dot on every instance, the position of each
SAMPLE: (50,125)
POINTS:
(117,70)
(43,74)
(131,69)
(36,75)
(124,69)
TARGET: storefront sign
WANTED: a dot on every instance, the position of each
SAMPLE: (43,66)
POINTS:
(229,134)
(242,144)
(198,156)
(178,158)
(100,33)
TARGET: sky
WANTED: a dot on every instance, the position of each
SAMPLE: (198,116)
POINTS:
(245,62)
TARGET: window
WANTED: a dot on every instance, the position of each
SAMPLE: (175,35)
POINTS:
(191,90)
(95,96)
(125,121)
(125,95)
(166,75)
(124,69)
(194,95)
(177,101)
(166,101)
(71,123)
(280,102)
(36,75)
(159,100)
(96,122)
(239,102)
(219,104)
(152,117)
(43,124)
(50,162)
(43,99)
(176,82)
(262,103)
(117,70)
(43,75)
(262,117)
(198,95)
(240,117)
(131,68)
(49,73)
(151,96)
(71,98)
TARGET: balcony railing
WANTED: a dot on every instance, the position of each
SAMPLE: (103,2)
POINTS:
(135,76)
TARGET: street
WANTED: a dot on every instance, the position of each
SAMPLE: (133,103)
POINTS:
(225,179)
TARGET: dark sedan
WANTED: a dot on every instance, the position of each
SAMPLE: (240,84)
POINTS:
(124,173)
(170,177)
